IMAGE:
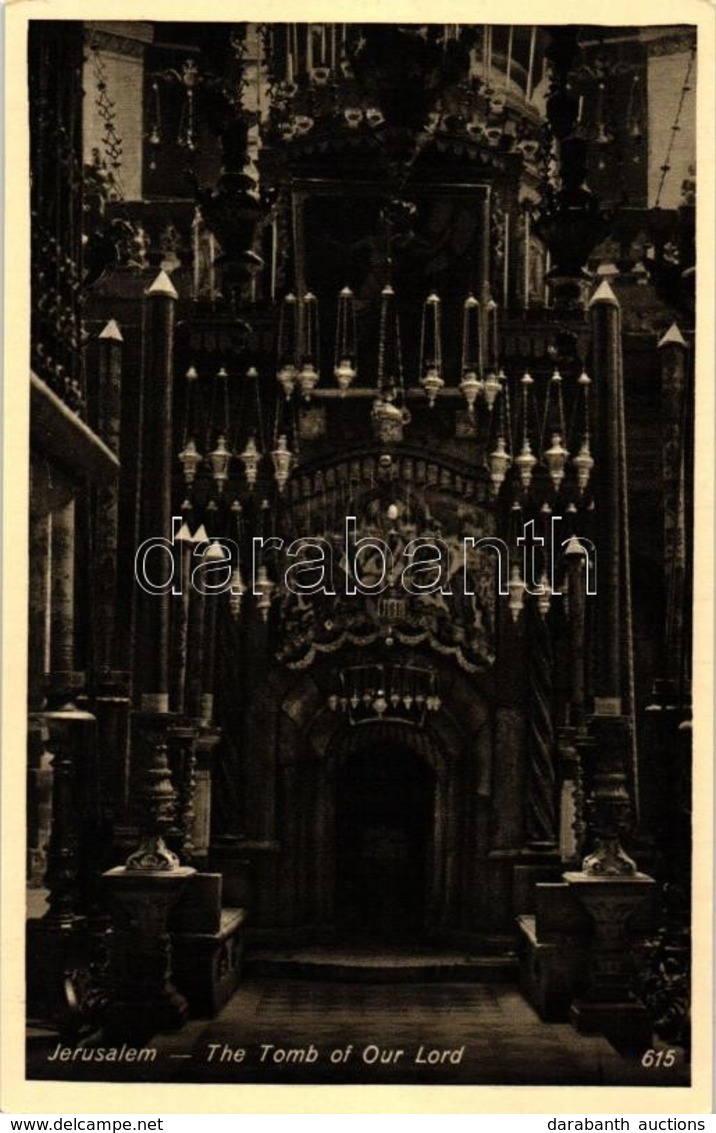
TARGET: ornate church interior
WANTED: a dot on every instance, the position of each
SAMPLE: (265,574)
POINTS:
(361,402)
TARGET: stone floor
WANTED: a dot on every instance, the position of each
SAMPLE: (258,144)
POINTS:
(491,1036)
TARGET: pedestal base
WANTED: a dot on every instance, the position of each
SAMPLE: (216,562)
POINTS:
(207,966)
(626,1025)
(144,1000)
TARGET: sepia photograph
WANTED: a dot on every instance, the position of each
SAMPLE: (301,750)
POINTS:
(360,552)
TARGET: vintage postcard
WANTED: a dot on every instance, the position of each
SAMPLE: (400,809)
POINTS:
(358,580)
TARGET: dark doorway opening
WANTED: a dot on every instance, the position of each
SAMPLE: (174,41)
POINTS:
(384,819)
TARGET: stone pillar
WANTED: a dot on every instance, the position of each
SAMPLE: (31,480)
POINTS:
(63,679)
(152,671)
(55,942)
(39,760)
(205,746)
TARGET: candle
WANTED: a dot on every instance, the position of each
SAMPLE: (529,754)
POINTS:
(489,54)
(509,55)
(289,55)
(333,47)
(530,67)
(309,48)
(580,108)
(274,254)
(527,261)
(506,262)
(323,45)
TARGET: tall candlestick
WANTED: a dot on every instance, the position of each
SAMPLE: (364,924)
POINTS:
(289,55)
(510,39)
(274,254)
(527,261)
(506,262)
(530,67)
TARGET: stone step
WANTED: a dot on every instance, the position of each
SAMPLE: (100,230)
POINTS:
(343,965)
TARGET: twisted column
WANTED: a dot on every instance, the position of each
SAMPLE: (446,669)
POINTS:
(541,822)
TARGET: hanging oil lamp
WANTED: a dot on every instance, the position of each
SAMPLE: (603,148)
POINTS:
(282,459)
(556,458)
(516,588)
(499,461)
(584,463)
(544,595)
(525,463)
(190,460)
(265,593)
(236,593)
(219,461)
(491,389)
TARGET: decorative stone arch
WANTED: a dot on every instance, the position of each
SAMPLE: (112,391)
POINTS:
(311,741)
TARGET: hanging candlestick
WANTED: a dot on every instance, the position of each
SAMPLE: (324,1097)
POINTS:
(308,374)
(390,362)
(431,349)
(345,370)
(286,374)
(471,383)
(491,335)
